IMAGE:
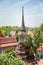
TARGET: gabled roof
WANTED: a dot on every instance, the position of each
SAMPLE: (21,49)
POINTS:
(8,45)
(8,42)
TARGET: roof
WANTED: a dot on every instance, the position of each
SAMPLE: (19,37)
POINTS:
(8,42)
(8,45)
(40,48)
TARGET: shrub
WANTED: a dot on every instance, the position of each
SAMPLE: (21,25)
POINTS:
(7,58)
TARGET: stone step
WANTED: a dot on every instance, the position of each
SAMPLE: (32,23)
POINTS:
(22,49)
(18,51)
(22,57)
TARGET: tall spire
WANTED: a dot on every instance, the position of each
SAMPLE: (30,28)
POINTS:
(23,25)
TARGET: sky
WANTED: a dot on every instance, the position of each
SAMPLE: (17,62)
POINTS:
(11,12)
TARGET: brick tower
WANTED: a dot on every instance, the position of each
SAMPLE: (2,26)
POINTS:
(22,37)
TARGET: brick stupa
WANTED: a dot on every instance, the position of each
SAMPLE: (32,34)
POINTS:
(20,50)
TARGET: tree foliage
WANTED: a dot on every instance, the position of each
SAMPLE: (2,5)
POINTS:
(30,45)
(7,29)
(8,58)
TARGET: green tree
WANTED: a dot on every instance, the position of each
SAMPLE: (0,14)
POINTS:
(36,33)
(41,27)
(17,37)
(30,45)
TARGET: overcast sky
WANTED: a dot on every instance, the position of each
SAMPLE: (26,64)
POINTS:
(11,12)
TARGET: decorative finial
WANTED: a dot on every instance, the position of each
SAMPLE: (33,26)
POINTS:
(23,25)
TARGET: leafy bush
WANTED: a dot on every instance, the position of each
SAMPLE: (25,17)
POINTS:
(7,58)
(30,45)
